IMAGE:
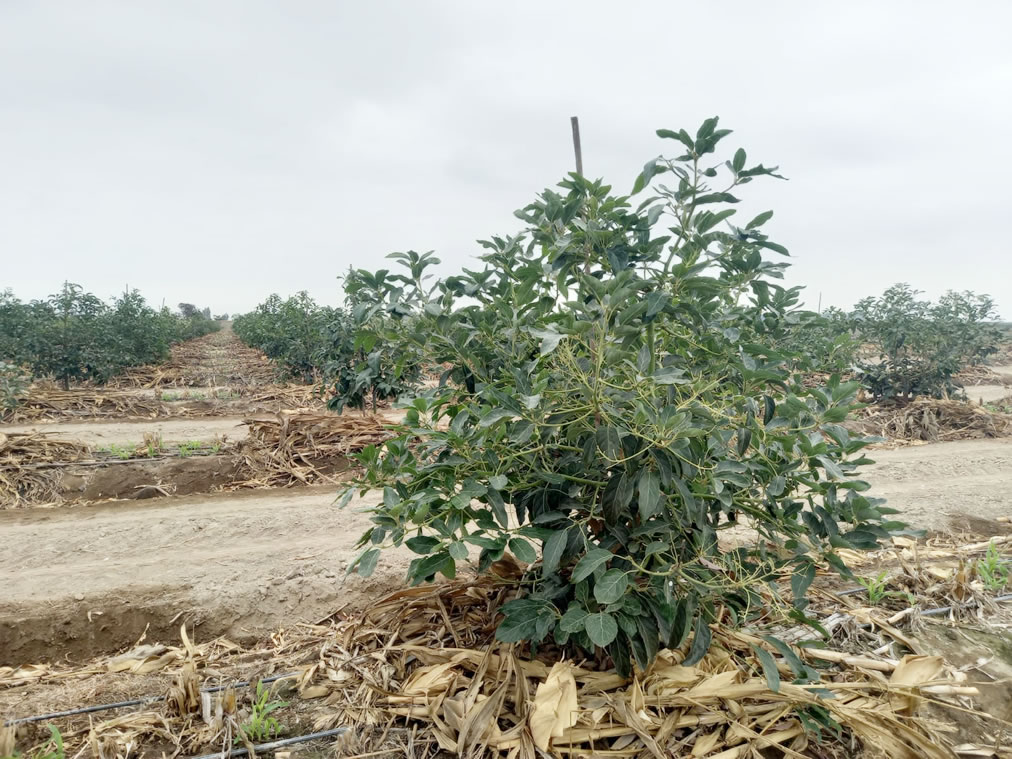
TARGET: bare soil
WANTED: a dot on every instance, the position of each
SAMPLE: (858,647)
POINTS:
(98,434)
(937,486)
(90,579)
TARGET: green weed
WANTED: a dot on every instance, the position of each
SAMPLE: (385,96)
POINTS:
(122,452)
(993,570)
(876,587)
(261,726)
(51,750)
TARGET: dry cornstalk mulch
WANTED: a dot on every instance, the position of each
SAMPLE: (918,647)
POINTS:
(931,419)
(24,478)
(51,403)
(302,448)
(422,663)
(219,358)
(982,375)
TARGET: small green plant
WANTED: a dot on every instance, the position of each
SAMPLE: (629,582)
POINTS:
(993,570)
(876,587)
(51,750)
(190,447)
(261,726)
(154,444)
(122,452)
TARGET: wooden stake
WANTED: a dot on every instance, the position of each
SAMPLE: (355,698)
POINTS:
(575,121)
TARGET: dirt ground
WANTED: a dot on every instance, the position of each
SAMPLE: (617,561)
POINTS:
(936,486)
(78,579)
(99,433)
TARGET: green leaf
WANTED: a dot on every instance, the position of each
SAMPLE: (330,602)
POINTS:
(550,339)
(796,665)
(611,587)
(610,442)
(498,481)
(769,666)
(700,642)
(759,220)
(800,581)
(590,561)
(650,170)
(422,544)
(681,135)
(346,497)
(494,416)
(498,507)
(458,550)
(523,550)
(602,628)
(670,376)
(649,494)
(574,620)
(551,552)
(738,162)
(366,563)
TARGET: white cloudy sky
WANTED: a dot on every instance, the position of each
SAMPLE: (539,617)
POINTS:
(215,151)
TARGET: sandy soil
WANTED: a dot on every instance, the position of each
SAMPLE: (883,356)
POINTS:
(207,428)
(987,393)
(938,486)
(248,562)
(98,434)
(78,580)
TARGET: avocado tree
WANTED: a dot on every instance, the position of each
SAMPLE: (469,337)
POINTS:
(920,346)
(611,402)
(362,365)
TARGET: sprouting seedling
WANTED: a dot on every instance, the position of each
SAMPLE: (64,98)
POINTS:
(261,726)
(876,587)
(992,569)
(53,749)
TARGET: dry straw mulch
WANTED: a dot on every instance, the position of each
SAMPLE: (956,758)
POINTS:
(932,420)
(51,403)
(303,447)
(420,670)
(29,471)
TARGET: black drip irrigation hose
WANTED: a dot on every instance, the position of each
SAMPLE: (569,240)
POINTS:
(943,610)
(274,744)
(141,701)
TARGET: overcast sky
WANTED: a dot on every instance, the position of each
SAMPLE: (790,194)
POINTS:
(217,151)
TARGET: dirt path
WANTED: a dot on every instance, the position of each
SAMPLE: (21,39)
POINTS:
(940,486)
(98,434)
(77,580)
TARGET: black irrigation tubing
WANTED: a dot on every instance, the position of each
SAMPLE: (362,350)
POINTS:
(275,744)
(141,701)
(942,610)
(935,612)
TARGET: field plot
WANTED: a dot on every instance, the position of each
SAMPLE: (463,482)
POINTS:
(131,546)
(639,514)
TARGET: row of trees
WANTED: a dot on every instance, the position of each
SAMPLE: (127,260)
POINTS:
(898,344)
(75,336)
(338,348)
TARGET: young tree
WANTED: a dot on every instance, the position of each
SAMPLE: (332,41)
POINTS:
(612,396)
